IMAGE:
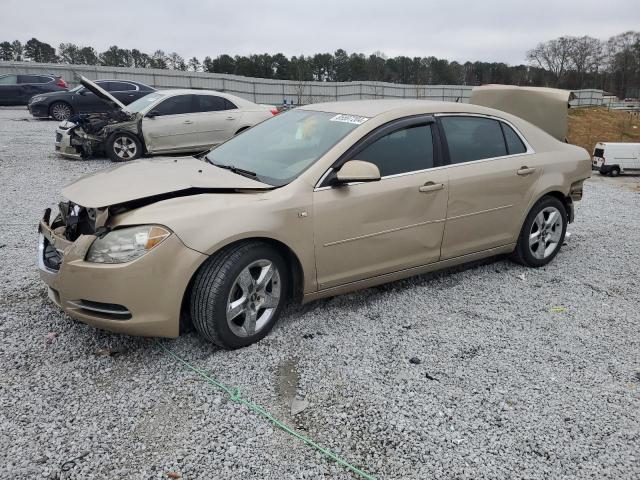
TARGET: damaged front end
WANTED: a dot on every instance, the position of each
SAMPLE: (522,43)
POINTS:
(72,222)
(84,135)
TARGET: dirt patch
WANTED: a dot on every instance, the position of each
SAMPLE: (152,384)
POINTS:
(590,125)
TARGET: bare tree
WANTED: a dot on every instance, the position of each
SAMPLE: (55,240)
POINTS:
(554,56)
(586,56)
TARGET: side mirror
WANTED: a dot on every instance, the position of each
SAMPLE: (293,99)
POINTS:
(152,113)
(357,171)
(82,92)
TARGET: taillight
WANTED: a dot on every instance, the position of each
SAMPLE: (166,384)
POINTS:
(274,111)
(62,83)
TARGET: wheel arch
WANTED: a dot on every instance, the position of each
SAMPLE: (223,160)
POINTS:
(556,193)
(296,271)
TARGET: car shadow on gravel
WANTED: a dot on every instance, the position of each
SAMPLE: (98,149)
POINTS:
(445,278)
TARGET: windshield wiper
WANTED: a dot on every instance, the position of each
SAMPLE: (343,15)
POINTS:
(236,170)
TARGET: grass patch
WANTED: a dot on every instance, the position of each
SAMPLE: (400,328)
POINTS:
(590,125)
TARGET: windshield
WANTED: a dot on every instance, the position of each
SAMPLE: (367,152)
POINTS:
(143,102)
(281,148)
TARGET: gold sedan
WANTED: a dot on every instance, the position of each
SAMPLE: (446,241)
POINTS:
(315,202)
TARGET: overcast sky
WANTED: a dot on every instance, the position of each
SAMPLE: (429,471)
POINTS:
(488,30)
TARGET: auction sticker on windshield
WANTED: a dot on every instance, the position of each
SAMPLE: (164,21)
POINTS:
(355,119)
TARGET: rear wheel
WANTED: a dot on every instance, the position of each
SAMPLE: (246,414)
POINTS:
(238,294)
(615,171)
(122,147)
(542,234)
(60,111)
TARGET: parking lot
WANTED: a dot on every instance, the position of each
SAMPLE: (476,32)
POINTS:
(488,371)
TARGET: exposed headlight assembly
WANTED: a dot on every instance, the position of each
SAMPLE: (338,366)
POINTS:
(126,244)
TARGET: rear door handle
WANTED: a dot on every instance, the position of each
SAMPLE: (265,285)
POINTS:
(431,187)
(231,118)
(188,122)
(522,171)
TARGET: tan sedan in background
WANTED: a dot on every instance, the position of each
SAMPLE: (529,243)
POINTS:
(318,201)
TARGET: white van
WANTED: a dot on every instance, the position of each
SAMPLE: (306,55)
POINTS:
(616,158)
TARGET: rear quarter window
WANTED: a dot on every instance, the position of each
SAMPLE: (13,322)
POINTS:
(514,143)
(598,152)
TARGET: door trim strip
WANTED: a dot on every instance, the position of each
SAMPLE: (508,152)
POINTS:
(481,211)
(369,235)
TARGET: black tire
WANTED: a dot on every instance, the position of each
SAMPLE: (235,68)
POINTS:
(123,147)
(60,111)
(615,171)
(524,252)
(215,283)
(604,173)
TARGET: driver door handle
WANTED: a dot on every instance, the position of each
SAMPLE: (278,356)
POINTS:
(431,187)
(231,118)
(522,171)
(188,122)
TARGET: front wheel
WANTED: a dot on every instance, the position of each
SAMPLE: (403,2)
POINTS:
(122,147)
(238,294)
(542,234)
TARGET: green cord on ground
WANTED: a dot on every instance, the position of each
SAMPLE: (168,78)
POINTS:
(235,396)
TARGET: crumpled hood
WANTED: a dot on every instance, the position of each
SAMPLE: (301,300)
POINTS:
(148,178)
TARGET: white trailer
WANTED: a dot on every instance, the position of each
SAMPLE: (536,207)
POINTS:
(615,158)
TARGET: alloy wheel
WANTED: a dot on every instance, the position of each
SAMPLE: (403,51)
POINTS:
(546,231)
(125,148)
(60,111)
(254,297)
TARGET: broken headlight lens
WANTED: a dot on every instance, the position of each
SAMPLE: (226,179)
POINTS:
(126,244)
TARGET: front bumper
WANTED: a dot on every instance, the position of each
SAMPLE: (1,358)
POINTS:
(38,109)
(142,297)
(63,145)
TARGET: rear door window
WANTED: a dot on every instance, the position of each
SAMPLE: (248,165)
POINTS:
(405,150)
(211,103)
(177,105)
(473,138)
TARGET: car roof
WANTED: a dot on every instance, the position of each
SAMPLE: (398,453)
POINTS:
(373,108)
(123,81)
(193,91)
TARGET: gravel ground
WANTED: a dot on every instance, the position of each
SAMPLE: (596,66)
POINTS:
(489,371)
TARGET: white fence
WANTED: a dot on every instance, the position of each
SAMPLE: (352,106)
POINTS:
(262,90)
(259,90)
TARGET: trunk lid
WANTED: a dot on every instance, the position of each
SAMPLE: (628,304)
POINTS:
(160,177)
(546,108)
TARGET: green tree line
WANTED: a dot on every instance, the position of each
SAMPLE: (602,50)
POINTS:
(565,62)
